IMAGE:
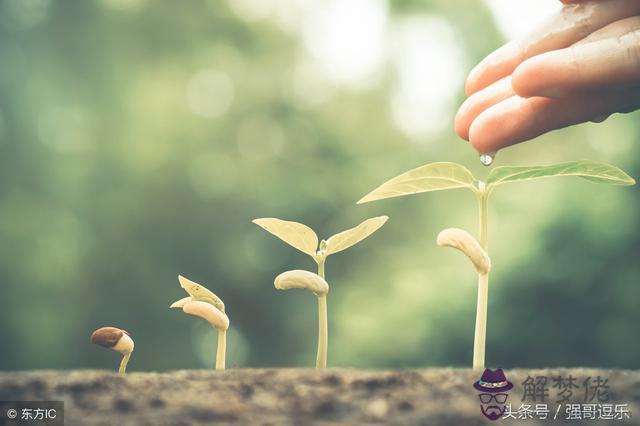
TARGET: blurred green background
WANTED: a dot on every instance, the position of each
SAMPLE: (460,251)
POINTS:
(138,139)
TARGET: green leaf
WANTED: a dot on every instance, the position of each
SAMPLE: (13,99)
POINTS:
(594,171)
(353,236)
(200,292)
(431,177)
(293,233)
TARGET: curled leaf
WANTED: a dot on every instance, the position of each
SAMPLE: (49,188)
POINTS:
(463,241)
(430,177)
(180,303)
(302,279)
(199,292)
(353,236)
(293,233)
(594,171)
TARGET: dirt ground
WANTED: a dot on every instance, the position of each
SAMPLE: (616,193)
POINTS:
(296,396)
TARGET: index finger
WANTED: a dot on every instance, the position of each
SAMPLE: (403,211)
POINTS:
(572,23)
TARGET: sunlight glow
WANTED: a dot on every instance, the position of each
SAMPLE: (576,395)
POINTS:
(429,67)
(516,18)
(346,38)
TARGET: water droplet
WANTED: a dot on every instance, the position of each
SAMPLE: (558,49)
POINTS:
(487,158)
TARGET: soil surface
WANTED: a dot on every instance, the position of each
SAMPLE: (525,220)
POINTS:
(303,396)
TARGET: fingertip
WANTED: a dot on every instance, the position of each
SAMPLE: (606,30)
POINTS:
(462,121)
(475,104)
(498,126)
(480,135)
(498,64)
(471,83)
(477,78)
(468,88)
(462,132)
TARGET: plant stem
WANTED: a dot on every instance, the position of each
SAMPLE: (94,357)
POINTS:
(123,363)
(483,209)
(321,359)
(323,329)
(222,348)
(321,267)
(479,341)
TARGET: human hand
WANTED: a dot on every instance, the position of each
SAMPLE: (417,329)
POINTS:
(581,65)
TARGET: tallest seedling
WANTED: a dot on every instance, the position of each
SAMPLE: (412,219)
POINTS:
(441,176)
(304,239)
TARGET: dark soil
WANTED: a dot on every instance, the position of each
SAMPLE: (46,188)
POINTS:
(295,396)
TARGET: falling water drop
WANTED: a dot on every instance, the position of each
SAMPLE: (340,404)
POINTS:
(487,158)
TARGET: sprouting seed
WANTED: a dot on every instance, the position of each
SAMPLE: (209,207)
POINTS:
(463,241)
(202,303)
(305,239)
(318,286)
(116,339)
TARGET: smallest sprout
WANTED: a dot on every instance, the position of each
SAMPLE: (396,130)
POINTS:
(116,339)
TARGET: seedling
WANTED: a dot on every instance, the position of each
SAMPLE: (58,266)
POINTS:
(305,239)
(318,286)
(463,241)
(441,176)
(204,304)
(116,339)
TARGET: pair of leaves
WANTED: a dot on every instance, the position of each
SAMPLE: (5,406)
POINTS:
(304,239)
(197,292)
(440,176)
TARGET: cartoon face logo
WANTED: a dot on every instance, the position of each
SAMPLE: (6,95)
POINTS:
(493,387)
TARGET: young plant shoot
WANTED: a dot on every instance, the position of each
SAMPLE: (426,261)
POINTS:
(204,304)
(116,339)
(441,176)
(463,241)
(305,239)
(318,286)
